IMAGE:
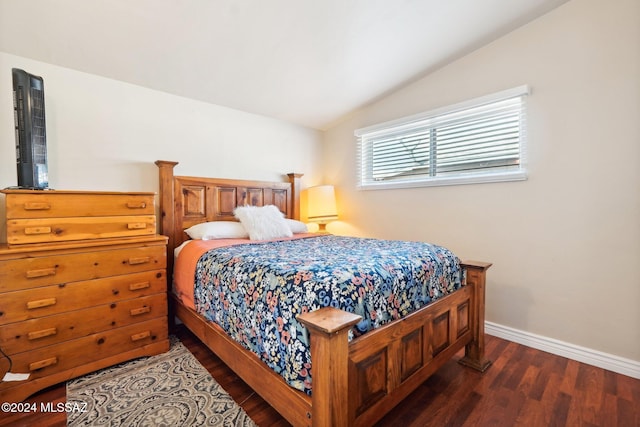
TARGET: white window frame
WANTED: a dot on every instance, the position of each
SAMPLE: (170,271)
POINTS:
(402,126)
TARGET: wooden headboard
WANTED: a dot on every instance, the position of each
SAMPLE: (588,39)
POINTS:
(188,200)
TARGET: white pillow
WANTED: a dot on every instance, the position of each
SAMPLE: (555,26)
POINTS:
(217,230)
(263,223)
(296,226)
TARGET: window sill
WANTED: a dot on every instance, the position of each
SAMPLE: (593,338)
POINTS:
(453,180)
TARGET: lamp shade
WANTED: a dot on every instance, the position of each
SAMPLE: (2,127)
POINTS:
(322,204)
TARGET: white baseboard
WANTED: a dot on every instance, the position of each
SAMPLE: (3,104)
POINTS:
(571,351)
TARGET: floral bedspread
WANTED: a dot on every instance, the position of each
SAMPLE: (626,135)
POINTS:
(255,291)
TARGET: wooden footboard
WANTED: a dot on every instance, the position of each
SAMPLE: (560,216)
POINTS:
(356,384)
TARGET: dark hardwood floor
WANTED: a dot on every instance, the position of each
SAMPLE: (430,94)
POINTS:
(524,387)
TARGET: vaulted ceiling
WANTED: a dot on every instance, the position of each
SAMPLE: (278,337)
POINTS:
(309,62)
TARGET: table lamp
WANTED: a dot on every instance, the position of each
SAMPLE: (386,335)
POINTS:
(321,205)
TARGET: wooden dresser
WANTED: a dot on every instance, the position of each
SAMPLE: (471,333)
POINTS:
(82,285)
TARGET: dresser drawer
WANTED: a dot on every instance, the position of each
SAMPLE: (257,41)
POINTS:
(32,272)
(39,302)
(21,231)
(31,334)
(55,358)
(58,204)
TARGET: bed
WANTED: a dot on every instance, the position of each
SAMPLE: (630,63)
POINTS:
(357,378)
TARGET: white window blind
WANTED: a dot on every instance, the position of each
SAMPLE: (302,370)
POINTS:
(481,140)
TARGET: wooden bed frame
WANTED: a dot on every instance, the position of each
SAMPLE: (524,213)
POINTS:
(354,383)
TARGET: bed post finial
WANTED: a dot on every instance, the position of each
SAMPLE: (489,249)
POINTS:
(165,169)
(294,179)
(329,329)
(474,356)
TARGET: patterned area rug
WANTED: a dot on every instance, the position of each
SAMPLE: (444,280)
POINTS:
(170,389)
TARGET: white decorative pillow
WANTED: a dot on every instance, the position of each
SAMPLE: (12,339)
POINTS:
(217,230)
(263,223)
(296,226)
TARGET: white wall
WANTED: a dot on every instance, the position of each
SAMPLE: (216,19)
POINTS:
(103,134)
(566,242)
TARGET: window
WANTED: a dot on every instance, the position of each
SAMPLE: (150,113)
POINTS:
(482,140)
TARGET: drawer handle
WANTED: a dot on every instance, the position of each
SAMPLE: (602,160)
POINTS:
(136,225)
(32,274)
(136,205)
(139,311)
(36,206)
(43,363)
(37,230)
(139,260)
(41,334)
(138,286)
(41,303)
(140,336)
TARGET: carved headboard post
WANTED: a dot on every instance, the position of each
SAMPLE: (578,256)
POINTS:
(167,206)
(294,178)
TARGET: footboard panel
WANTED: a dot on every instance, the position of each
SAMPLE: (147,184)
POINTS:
(387,364)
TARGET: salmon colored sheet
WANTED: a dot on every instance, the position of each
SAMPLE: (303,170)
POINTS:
(184,268)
